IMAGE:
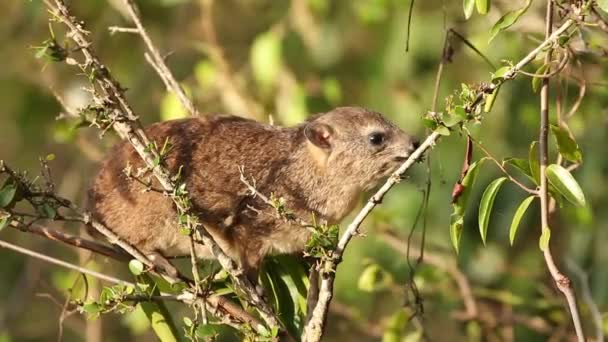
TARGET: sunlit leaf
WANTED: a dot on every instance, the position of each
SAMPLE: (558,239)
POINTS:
(519,213)
(537,80)
(545,236)
(4,221)
(442,130)
(567,146)
(485,206)
(565,184)
(483,6)
(374,278)
(533,160)
(136,267)
(160,320)
(171,107)
(507,20)
(396,327)
(266,58)
(603,4)
(468,6)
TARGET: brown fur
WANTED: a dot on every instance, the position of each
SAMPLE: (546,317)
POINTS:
(319,167)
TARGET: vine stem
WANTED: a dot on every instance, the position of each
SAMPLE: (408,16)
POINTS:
(562,282)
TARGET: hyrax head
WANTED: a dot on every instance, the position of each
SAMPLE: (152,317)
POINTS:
(357,145)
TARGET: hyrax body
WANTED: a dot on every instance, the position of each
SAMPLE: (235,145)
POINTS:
(319,167)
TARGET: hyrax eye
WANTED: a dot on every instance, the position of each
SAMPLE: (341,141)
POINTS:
(376,138)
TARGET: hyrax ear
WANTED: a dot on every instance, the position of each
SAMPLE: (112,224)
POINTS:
(319,134)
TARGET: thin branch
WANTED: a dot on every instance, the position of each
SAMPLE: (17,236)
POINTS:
(588,298)
(64,264)
(157,61)
(563,283)
(502,168)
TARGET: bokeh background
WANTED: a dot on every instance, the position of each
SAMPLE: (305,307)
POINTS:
(281,60)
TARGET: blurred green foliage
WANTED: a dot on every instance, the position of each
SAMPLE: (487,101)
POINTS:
(302,57)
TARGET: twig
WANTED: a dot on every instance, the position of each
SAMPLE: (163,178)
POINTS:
(157,61)
(502,168)
(64,264)
(563,283)
(588,298)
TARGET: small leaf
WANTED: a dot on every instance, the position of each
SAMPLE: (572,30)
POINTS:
(500,73)
(545,236)
(485,206)
(136,267)
(567,146)
(7,194)
(534,164)
(442,130)
(603,5)
(565,184)
(266,58)
(519,213)
(48,211)
(4,221)
(374,278)
(490,99)
(536,80)
(50,157)
(456,226)
(468,7)
(507,20)
(460,205)
(483,6)
(522,165)
(92,308)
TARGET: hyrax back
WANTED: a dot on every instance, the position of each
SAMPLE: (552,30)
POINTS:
(319,167)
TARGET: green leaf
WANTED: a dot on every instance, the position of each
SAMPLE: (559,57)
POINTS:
(565,184)
(460,205)
(534,164)
(567,146)
(265,58)
(48,211)
(456,227)
(536,80)
(92,309)
(545,236)
(396,327)
(136,267)
(500,73)
(483,6)
(507,20)
(603,5)
(485,206)
(4,221)
(50,157)
(522,165)
(374,278)
(519,213)
(490,99)
(442,130)
(468,6)
(7,194)
(160,320)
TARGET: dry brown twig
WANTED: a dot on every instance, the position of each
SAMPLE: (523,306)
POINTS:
(155,59)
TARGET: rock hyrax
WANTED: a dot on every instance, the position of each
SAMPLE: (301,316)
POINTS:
(319,167)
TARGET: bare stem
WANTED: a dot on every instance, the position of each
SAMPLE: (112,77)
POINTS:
(157,61)
(563,283)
